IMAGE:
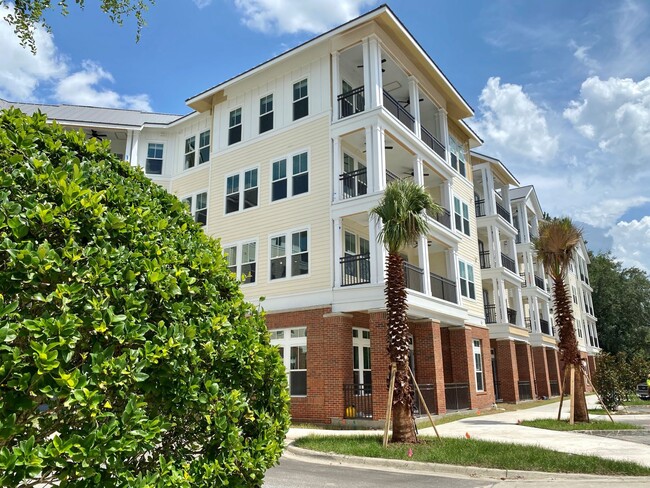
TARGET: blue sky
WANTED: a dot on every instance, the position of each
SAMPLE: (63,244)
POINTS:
(561,89)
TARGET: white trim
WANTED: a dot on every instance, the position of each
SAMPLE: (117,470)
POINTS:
(289,170)
(288,235)
(242,176)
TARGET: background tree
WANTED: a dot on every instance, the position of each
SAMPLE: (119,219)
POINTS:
(402,212)
(28,14)
(128,356)
(555,247)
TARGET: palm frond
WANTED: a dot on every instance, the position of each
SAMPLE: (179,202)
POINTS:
(556,244)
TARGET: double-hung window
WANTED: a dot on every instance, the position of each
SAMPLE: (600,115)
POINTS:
(234,127)
(198,205)
(242,260)
(282,185)
(293,248)
(467,287)
(361,369)
(478,365)
(153,165)
(235,201)
(266,113)
(300,100)
(457,154)
(204,147)
(461,216)
(190,154)
(292,345)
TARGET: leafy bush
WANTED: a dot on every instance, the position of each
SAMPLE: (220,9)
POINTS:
(128,356)
(617,375)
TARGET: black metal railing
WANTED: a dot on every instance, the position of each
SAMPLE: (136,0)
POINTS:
(355,183)
(390,177)
(524,284)
(357,401)
(508,263)
(432,142)
(403,115)
(479,208)
(555,387)
(444,217)
(355,269)
(490,313)
(545,327)
(457,396)
(429,394)
(413,277)
(512,316)
(485,259)
(525,391)
(497,391)
(503,212)
(443,288)
(539,283)
(529,323)
(351,102)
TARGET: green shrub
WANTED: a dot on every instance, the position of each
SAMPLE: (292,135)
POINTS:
(128,356)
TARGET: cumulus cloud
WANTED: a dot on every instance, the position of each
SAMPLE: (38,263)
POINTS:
(632,242)
(293,16)
(513,123)
(607,211)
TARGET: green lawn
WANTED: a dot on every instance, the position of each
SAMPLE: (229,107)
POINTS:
(552,424)
(470,452)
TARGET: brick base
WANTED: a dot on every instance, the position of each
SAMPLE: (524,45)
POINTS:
(540,362)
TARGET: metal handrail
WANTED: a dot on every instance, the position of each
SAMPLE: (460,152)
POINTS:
(394,107)
(430,140)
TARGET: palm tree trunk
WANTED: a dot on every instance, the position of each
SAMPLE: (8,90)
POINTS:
(398,349)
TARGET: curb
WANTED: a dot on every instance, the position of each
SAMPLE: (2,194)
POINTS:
(447,469)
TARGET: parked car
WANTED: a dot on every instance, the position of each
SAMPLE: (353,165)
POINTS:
(643,391)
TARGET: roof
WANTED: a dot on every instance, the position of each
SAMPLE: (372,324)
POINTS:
(500,168)
(80,115)
(527,192)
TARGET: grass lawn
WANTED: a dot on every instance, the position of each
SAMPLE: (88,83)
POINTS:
(635,400)
(552,424)
(470,452)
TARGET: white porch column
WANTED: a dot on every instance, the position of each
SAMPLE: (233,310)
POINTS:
(505,199)
(418,171)
(538,324)
(513,253)
(523,222)
(423,260)
(444,133)
(129,141)
(547,314)
(452,270)
(336,169)
(377,250)
(338,251)
(496,241)
(446,196)
(336,85)
(519,306)
(135,139)
(502,302)
(414,97)
(372,72)
(490,200)
(379,153)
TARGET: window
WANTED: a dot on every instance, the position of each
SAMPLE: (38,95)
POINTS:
(282,186)
(574,295)
(457,154)
(198,205)
(234,200)
(204,147)
(478,365)
(467,288)
(461,216)
(154,162)
(190,155)
(245,268)
(292,345)
(300,100)
(299,255)
(266,113)
(234,127)
(361,370)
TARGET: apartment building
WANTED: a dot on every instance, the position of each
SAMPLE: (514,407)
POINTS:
(285,161)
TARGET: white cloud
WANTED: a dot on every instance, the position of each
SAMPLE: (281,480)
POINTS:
(581,53)
(632,242)
(292,16)
(513,124)
(202,3)
(606,212)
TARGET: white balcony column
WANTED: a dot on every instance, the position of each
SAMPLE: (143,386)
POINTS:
(129,141)
(446,202)
(452,267)
(496,241)
(337,169)
(505,198)
(371,167)
(372,75)
(523,222)
(414,97)
(377,250)
(502,302)
(133,147)
(336,85)
(423,260)
(338,250)
(547,314)
(378,144)
(535,226)
(538,324)
(444,133)
(418,171)
(513,253)
(519,307)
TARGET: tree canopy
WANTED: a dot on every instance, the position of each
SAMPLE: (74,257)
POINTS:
(128,356)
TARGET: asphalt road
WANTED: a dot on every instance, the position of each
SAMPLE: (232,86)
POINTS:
(298,474)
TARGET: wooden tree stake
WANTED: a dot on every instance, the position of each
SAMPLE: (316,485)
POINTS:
(426,408)
(586,375)
(562,388)
(573,395)
(389,407)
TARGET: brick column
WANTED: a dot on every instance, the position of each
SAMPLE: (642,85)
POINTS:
(380,363)
(541,371)
(553,361)
(331,355)
(507,371)
(462,360)
(427,352)
(525,365)
(486,398)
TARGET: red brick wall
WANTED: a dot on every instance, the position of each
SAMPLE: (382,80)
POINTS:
(507,371)
(380,363)
(485,399)
(427,351)
(540,362)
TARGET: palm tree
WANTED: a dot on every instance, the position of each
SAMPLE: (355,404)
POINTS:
(555,246)
(402,211)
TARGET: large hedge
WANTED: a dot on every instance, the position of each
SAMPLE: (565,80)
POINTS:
(128,356)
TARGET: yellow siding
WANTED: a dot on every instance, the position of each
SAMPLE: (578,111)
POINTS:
(192,181)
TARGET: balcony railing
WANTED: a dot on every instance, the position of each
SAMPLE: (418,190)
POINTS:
(508,263)
(432,142)
(555,387)
(524,284)
(457,396)
(444,217)
(503,212)
(485,259)
(525,392)
(413,277)
(479,208)
(390,177)
(529,323)
(403,115)
(357,401)
(490,314)
(355,269)
(351,102)
(429,394)
(539,283)
(512,316)
(355,183)
(545,327)
(443,288)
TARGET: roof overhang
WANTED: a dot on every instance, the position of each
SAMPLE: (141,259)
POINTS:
(498,168)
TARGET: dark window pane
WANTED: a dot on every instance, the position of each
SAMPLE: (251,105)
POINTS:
(300,108)
(301,184)
(201,216)
(472,292)
(279,189)
(355,357)
(367,380)
(454,161)
(154,166)
(234,134)
(248,270)
(463,287)
(466,226)
(204,155)
(189,160)
(459,222)
(250,198)
(278,268)
(266,122)
(298,382)
(232,203)
(300,264)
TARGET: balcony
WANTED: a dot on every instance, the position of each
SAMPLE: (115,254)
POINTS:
(539,283)
(529,323)
(413,277)
(503,212)
(432,142)
(490,314)
(395,108)
(508,263)
(479,208)
(429,394)
(512,316)
(351,102)
(485,259)
(443,288)
(355,269)
(355,183)
(444,217)
(523,276)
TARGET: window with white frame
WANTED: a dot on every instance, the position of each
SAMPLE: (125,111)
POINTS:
(198,205)
(292,345)
(190,152)
(300,100)
(574,294)
(296,253)
(478,365)
(467,287)
(461,215)
(234,126)
(457,154)
(361,369)
(154,163)
(204,147)
(266,113)
(242,260)
(241,197)
(283,186)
